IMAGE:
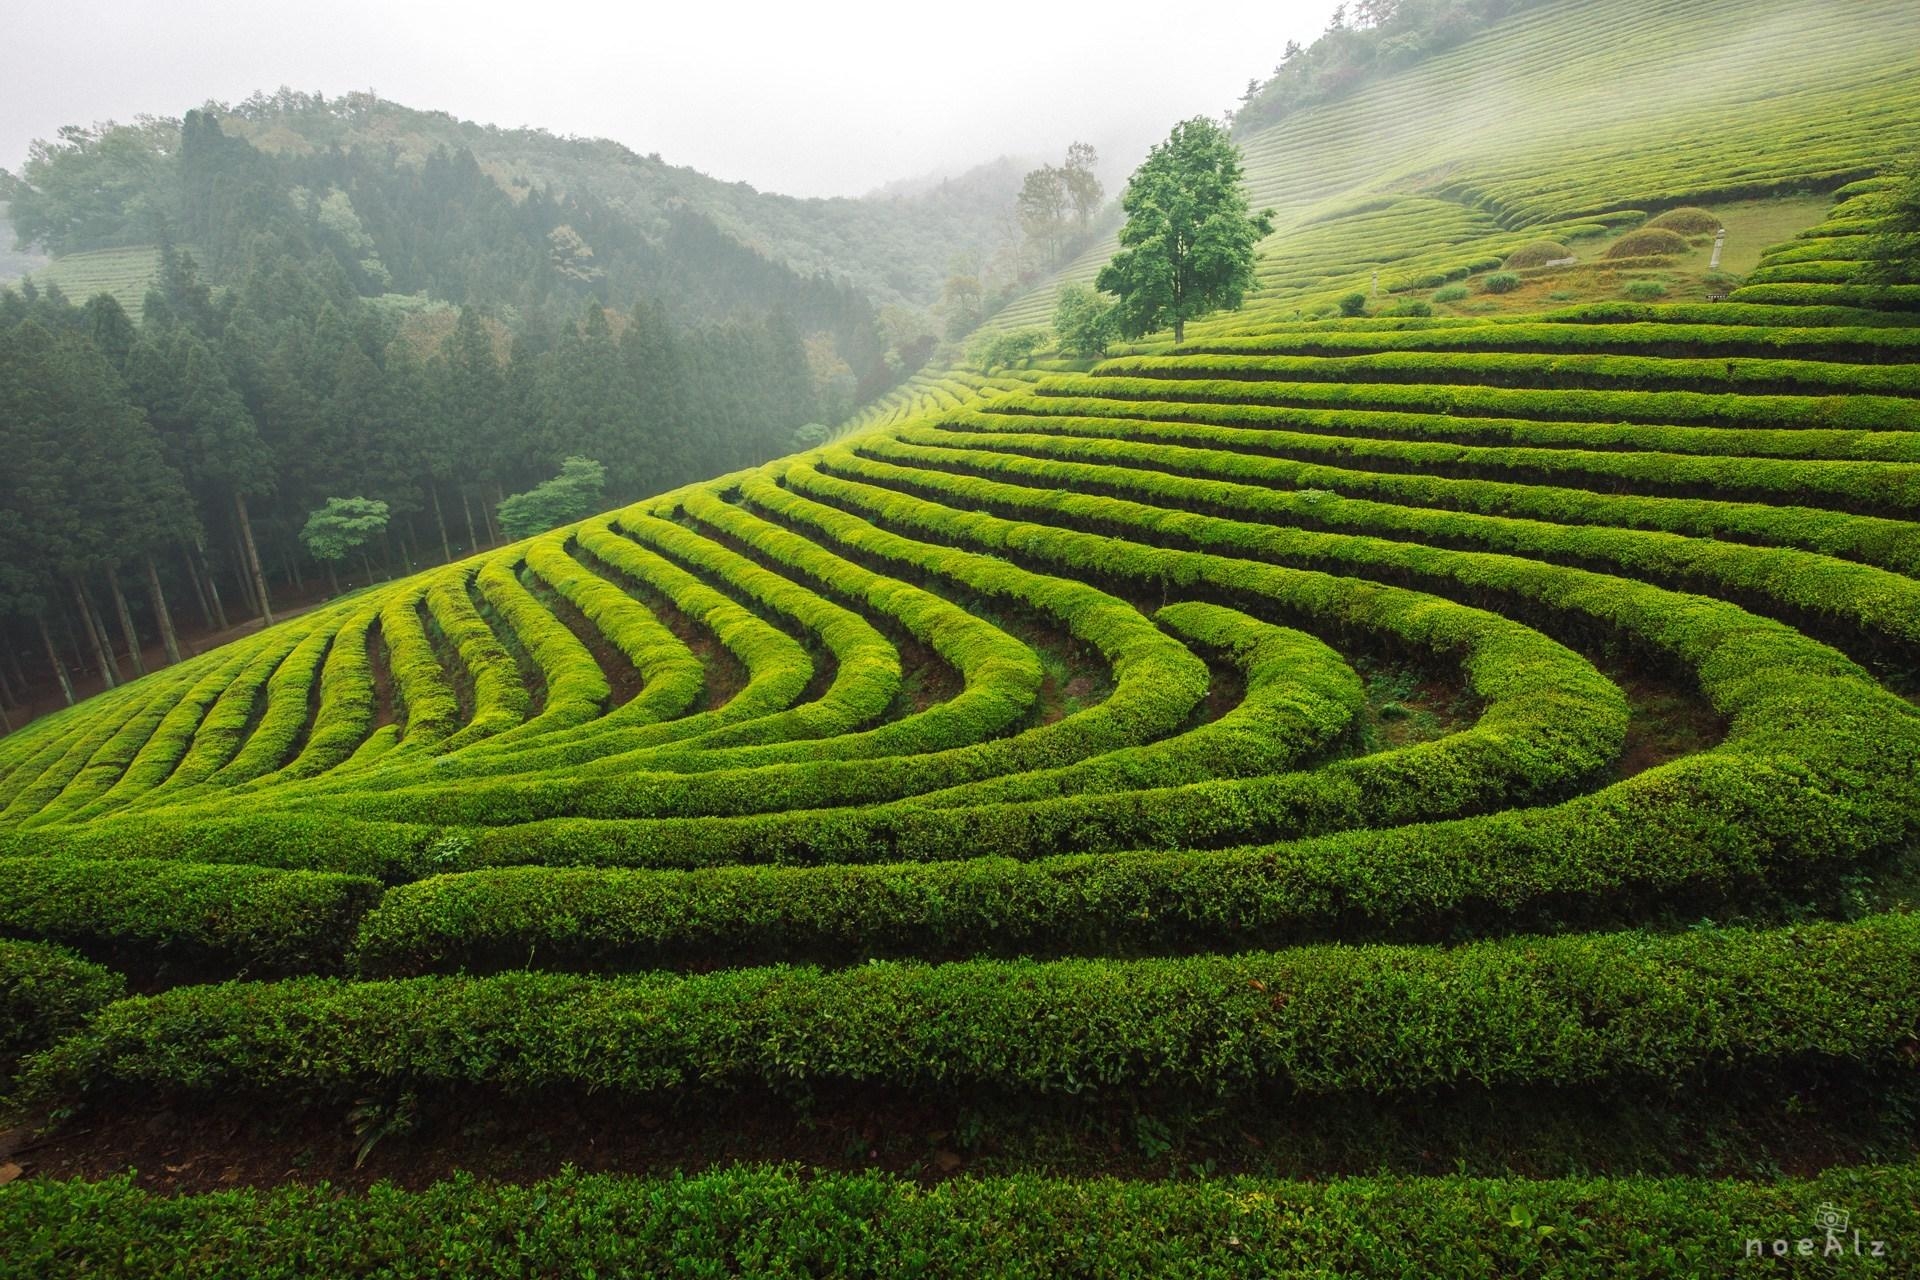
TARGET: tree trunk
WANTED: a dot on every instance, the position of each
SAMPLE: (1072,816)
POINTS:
(199,592)
(243,571)
(253,558)
(366,563)
(19,672)
(473,539)
(446,544)
(74,646)
(168,639)
(53,657)
(6,721)
(109,674)
(333,579)
(99,620)
(292,561)
(1179,330)
(126,623)
(213,587)
(493,527)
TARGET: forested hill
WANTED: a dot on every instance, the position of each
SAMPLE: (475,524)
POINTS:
(470,212)
(895,248)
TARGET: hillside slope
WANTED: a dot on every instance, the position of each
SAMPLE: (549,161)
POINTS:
(1565,117)
(1456,771)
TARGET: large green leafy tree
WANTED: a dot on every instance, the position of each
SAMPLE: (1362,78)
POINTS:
(1187,247)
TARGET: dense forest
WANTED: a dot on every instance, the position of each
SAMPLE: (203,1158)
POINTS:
(363,322)
(183,454)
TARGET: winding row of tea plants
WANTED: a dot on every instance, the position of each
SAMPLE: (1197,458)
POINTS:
(1410,795)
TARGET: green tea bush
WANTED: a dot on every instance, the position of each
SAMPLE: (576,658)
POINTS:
(787,1222)
(46,992)
(1646,290)
(1500,282)
(1565,1012)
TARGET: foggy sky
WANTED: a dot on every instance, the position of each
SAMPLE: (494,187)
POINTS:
(802,99)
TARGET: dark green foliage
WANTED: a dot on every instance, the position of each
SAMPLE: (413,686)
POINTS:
(574,493)
(152,912)
(1083,318)
(46,992)
(781,1223)
(1187,246)
(1555,1012)
(1353,304)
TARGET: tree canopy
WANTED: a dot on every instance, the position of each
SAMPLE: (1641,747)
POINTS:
(569,496)
(343,526)
(1188,244)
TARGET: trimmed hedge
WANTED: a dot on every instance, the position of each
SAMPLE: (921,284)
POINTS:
(46,992)
(778,1223)
(228,917)
(1561,1012)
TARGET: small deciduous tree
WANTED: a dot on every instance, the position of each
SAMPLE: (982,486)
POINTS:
(342,527)
(1084,320)
(1043,204)
(1004,350)
(1187,247)
(810,435)
(1084,190)
(569,496)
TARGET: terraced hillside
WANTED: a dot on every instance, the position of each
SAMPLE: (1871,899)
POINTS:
(1431,745)
(1567,120)
(126,273)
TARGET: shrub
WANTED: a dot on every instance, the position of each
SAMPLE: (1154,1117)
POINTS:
(1451,293)
(1537,253)
(234,917)
(788,1223)
(1354,304)
(46,992)
(1571,1011)
(1500,282)
(1646,290)
(1648,242)
(1687,220)
(1415,308)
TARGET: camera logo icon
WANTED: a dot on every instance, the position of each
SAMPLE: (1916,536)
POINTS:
(1831,1218)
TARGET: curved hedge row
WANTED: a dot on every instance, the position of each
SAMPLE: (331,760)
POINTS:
(1558,1012)
(789,1223)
